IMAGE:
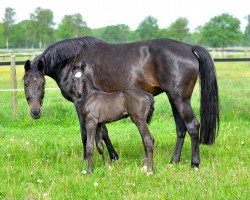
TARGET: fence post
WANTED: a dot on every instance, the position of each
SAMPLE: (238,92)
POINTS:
(245,53)
(13,85)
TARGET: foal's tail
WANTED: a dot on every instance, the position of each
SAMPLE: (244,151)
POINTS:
(209,111)
(151,110)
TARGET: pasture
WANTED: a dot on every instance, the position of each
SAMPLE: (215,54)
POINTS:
(42,159)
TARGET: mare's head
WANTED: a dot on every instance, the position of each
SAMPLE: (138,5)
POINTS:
(34,82)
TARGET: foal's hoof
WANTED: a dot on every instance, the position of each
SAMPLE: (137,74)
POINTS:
(170,165)
(149,173)
(144,168)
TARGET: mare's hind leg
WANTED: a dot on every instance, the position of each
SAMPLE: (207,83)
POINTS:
(192,125)
(99,143)
(112,153)
(181,132)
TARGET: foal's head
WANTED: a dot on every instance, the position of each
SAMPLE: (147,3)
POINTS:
(34,82)
(78,80)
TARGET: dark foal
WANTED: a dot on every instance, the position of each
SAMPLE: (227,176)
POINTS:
(101,107)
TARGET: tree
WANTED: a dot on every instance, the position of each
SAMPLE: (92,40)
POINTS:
(117,34)
(22,35)
(133,36)
(222,31)
(72,26)
(43,25)
(2,39)
(148,28)
(247,32)
(197,36)
(179,30)
(8,21)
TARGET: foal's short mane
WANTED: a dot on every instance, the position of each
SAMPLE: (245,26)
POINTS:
(65,50)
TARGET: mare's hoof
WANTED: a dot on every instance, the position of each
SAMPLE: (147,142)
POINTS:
(196,168)
(114,156)
(195,165)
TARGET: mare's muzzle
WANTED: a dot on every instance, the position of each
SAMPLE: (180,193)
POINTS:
(35,107)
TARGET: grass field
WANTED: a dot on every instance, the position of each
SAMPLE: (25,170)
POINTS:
(42,159)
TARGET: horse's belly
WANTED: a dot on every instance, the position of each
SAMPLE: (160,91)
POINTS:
(112,114)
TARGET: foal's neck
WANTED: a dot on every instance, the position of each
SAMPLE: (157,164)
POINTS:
(89,88)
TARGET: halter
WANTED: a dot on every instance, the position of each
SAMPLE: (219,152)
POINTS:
(35,97)
(31,97)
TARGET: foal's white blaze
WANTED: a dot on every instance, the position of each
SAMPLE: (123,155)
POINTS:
(78,74)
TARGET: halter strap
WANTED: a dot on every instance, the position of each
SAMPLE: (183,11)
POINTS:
(31,97)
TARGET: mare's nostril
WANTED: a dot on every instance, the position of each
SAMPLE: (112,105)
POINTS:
(35,113)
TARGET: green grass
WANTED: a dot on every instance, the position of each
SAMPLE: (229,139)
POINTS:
(42,159)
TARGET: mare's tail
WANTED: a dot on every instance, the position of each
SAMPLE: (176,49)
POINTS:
(151,110)
(209,108)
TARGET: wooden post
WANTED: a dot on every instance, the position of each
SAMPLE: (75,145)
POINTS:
(245,53)
(13,85)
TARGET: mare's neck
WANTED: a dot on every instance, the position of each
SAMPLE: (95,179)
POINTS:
(60,73)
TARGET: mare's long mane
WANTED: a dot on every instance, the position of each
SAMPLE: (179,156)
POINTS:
(66,50)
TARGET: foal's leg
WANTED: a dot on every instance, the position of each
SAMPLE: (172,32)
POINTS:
(111,150)
(192,124)
(148,142)
(181,132)
(83,130)
(91,131)
(99,143)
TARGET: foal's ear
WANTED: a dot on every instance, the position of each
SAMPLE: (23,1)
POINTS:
(40,66)
(83,65)
(27,65)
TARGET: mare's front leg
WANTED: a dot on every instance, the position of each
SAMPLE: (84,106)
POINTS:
(112,153)
(91,127)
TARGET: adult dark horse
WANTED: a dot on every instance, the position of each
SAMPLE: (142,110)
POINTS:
(154,66)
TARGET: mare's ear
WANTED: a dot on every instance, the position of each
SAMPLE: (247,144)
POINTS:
(40,66)
(27,65)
